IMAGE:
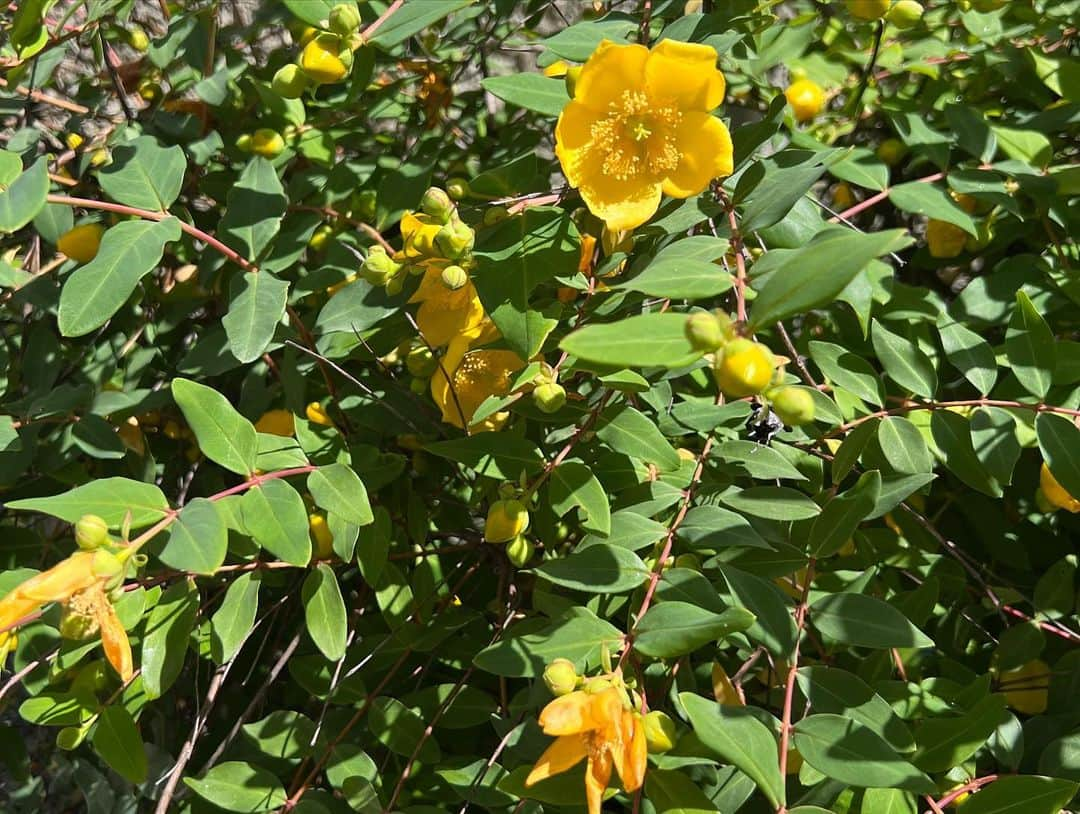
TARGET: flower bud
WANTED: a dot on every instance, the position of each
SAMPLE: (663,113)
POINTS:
(705,331)
(573,74)
(455,239)
(595,686)
(905,14)
(943,239)
(321,60)
(319,237)
(561,677)
(321,534)
(137,39)
(394,285)
(436,202)
(317,415)
(344,19)
(73,141)
(457,188)
(506,519)
(793,405)
(90,532)
(549,397)
(660,732)
(891,151)
(379,268)
(81,243)
(289,82)
(106,564)
(454,277)
(495,214)
(519,551)
(744,368)
(421,362)
(267,143)
(868,9)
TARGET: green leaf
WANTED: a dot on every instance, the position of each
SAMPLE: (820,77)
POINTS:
(842,515)
(596,568)
(118,742)
(283,734)
(843,749)
(224,436)
(864,621)
(1024,794)
(531,91)
(578,636)
(1061,757)
(109,498)
(710,527)
(312,12)
(799,280)
(573,484)
(647,340)
(233,621)
(684,271)
(630,432)
(836,691)
(903,446)
(952,435)
(144,175)
(324,612)
(198,539)
(673,629)
(969,353)
(847,370)
(628,530)
(1029,146)
(775,502)
(993,437)
(356,308)
(412,18)
(888,801)
(253,209)
(904,363)
(774,626)
(1029,346)
(673,791)
(338,489)
(738,738)
(862,168)
(165,642)
(257,303)
(94,292)
(577,42)
(760,462)
(775,194)
(921,198)
(400,729)
(23,197)
(1059,443)
(492,454)
(948,742)
(239,786)
(275,517)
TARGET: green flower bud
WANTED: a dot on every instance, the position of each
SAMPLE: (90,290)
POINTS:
(437,204)
(289,82)
(506,520)
(379,268)
(891,151)
(421,362)
(90,532)
(495,214)
(457,188)
(267,143)
(561,677)
(344,19)
(106,564)
(549,397)
(519,551)
(793,405)
(455,240)
(705,331)
(905,14)
(595,686)
(243,142)
(454,277)
(137,39)
(660,731)
(394,285)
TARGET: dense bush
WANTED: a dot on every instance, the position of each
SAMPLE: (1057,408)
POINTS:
(435,406)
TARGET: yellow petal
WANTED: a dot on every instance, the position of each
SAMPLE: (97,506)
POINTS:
(596,780)
(568,715)
(631,760)
(62,580)
(12,609)
(573,137)
(440,385)
(114,640)
(441,318)
(685,74)
(606,708)
(565,753)
(611,70)
(620,204)
(705,152)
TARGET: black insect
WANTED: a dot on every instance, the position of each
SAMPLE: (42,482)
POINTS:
(762,425)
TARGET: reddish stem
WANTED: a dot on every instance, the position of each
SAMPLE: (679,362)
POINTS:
(368,32)
(877,198)
(789,686)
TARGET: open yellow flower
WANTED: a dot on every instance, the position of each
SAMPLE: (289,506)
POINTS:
(475,375)
(639,125)
(594,727)
(79,583)
(445,313)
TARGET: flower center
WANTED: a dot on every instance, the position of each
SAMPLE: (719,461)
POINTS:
(478,376)
(637,137)
(599,743)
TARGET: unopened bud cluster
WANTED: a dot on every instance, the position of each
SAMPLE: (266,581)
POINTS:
(326,56)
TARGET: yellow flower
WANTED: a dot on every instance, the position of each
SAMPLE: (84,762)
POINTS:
(1055,493)
(639,124)
(82,242)
(476,374)
(79,584)
(317,414)
(418,235)
(806,98)
(276,422)
(596,728)
(445,312)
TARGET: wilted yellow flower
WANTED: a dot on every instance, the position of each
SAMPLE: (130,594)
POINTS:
(79,584)
(597,728)
(640,124)
(476,374)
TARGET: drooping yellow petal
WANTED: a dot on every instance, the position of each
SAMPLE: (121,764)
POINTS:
(114,640)
(630,761)
(705,152)
(12,609)
(597,776)
(573,139)
(564,753)
(684,73)
(440,383)
(74,574)
(621,204)
(569,714)
(611,71)
(440,320)
(606,709)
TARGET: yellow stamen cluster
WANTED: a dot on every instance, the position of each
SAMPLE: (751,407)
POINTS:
(637,137)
